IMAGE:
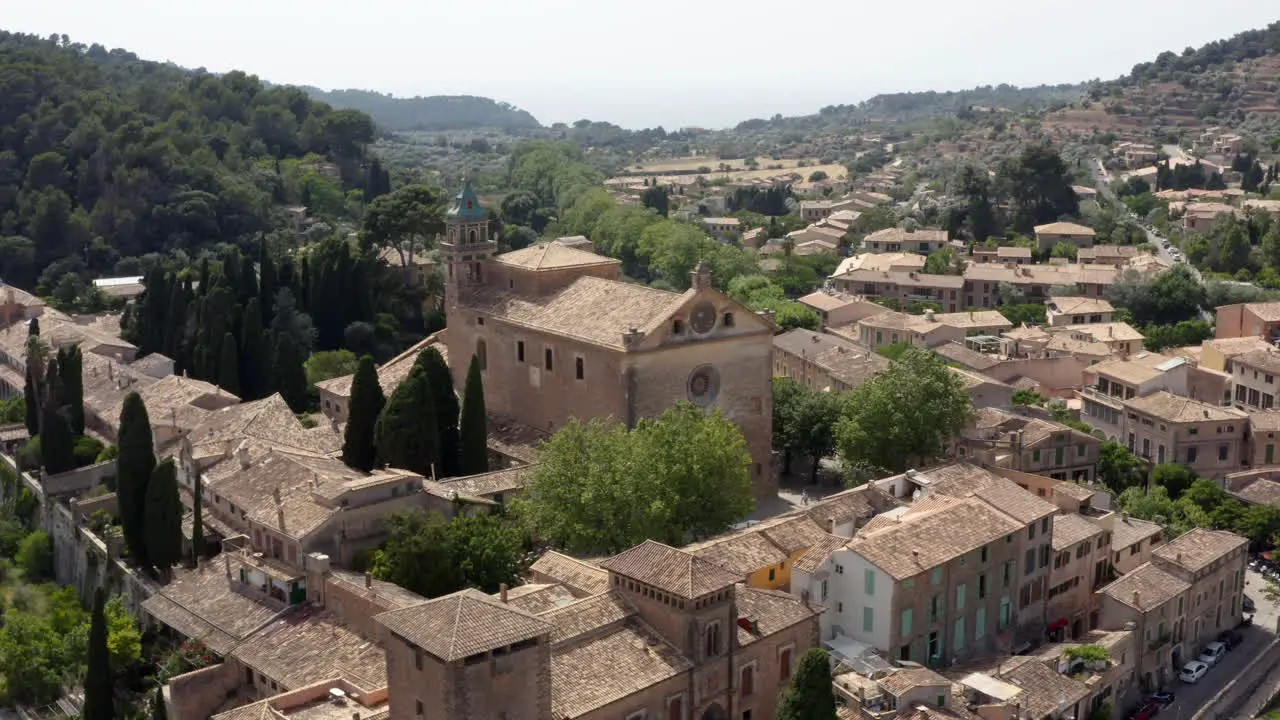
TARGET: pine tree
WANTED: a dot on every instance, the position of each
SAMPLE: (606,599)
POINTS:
(358,450)
(288,377)
(254,360)
(229,364)
(71,387)
(163,516)
(57,445)
(446,406)
(136,462)
(98,698)
(405,434)
(157,705)
(810,696)
(197,518)
(473,434)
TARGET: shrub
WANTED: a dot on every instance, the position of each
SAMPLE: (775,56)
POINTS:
(35,556)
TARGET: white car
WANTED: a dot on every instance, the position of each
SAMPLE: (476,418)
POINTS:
(1212,653)
(1193,671)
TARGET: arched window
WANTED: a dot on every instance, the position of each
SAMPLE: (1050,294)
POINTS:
(747,683)
(471,236)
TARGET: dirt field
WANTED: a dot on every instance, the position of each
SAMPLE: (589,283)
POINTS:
(738,170)
(693,163)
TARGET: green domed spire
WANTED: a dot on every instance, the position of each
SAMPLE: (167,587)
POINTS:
(466,206)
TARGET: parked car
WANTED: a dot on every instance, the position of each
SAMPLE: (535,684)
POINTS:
(1193,671)
(1163,697)
(1146,711)
(1248,605)
(1231,639)
(1212,653)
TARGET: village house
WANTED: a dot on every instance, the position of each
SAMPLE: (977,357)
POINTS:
(905,287)
(1116,255)
(1051,234)
(764,554)
(413,267)
(1030,444)
(1083,193)
(674,636)
(1254,376)
(1077,311)
(1005,254)
(1210,439)
(721,226)
(927,330)
(822,362)
(815,239)
(751,239)
(1155,602)
(881,262)
(1263,429)
(1081,563)
(558,335)
(1204,217)
(922,240)
(812,211)
(1212,562)
(1120,338)
(836,308)
(1260,319)
(1132,540)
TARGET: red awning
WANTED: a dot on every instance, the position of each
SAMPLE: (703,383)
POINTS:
(1057,625)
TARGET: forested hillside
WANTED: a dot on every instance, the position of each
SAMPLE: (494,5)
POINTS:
(105,158)
(438,112)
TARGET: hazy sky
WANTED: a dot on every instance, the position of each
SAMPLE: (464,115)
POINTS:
(641,64)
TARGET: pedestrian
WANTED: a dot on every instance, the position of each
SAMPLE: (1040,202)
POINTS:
(804,497)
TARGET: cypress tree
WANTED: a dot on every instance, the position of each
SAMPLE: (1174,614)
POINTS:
(136,462)
(810,696)
(33,386)
(229,365)
(254,359)
(157,706)
(57,445)
(445,401)
(71,387)
(206,276)
(268,283)
(163,515)
(473,435)
(405,434)
(98,700)
(32,404)
(197,518)
(358,450)
(178,297)
(33,327)
(289,378)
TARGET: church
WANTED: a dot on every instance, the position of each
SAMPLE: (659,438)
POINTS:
(558,334)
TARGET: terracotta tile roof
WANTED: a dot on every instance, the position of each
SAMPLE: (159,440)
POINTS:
(610,666)
(809,344)
(1232,347)
(825,301)
(1139,368)
(1127,530)
(582,576)
(385,595)
(1198,548)
(1259,491)
(204,604)
(928,539)
(575,620)
(741,554)
(1070,529)
(268,420)
(669,569)
(1066,488)
(880,262)
(180,402)
(392,372)
(792,533)
(1267,360)
(1265,311)
(1078,305)
(1064,228)
(308,646)
(1013,252)
(906,679)
(905,277)
(16,295)
(1044,690)
(963,480)
(849,506)
(590,309)
(1177,409)
(1145,588)
(1266,421)
(552,256)
(967,320)
(1035,430)
(514,439)
(490,483)
(539,598)
(814,557)
(1064,343)
(899,235)
(1107,332)
(967,357)
(769,612)
(851,366)
(462,624)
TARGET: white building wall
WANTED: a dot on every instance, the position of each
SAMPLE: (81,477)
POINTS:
(848,600)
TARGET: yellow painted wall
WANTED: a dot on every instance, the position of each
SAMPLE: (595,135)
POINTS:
(781,574)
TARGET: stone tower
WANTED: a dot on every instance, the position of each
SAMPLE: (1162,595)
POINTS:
(466,247)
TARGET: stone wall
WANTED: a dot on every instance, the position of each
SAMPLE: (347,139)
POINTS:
(201,693)
(79,480)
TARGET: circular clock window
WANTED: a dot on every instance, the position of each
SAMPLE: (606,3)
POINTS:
(703,318)
(704,385)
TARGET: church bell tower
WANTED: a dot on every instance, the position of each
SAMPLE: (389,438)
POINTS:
(466,247)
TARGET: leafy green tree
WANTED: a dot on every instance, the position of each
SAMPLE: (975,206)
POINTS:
(599,488)
(1175,478)
(35,556)
(329,364)
(367,399)
(432,557)
(163,531)
(31,659)
(473,430)
(945,261)
(1173,296)
(810,696)
(1038,185)
(134,466)
(1064,250)
(407,220)
(975,188)
(904,416)
(99,702)
(288,376)
(804,422)
(406,434)
(1118,468)
(1259,523)
(446,407)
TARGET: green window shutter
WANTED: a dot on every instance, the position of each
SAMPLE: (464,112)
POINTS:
(906,622)
(957,642)
(960,592)
(868,619)
(869,581)
(979,624)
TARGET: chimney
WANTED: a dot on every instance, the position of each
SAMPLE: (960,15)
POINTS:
(804,597)
(242,454)
(280,517)
(1177,557)
(368,581)
(1137,598)
(226,561)
(831,525)
(111,370)
(502,592)
(275,495)
(915,555)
